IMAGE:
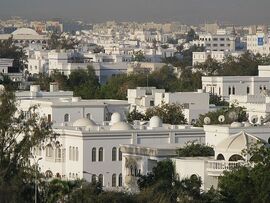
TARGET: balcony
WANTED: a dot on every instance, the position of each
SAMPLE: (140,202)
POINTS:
(216,168)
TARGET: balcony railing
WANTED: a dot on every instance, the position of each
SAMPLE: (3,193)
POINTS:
(216,168)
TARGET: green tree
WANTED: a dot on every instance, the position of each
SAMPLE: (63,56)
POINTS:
(84,83)
(19,134)
(169,113)
(193,149)
(134,115)
(10,51)
(248,183)
(139,56)
(215,99)
(231,114)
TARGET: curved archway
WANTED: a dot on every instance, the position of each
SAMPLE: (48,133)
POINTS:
(236,157)
(220,157)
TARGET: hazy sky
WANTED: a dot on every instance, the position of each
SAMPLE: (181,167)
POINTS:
(186,11)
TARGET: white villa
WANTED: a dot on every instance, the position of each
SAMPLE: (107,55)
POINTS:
(228,142)
(194,103)
(91,151)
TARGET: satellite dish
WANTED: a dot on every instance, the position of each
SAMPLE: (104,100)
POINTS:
(207,120)
(254,119)
(221,119)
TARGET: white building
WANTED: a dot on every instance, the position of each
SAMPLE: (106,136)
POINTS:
(26,36)
(225,86)
(87,150)
(258,43)
(194,103)
(228,142)
(221,41)
(61,108)
(201,57)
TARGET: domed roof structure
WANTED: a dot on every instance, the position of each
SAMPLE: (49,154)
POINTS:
(25,31)
(83,122)
(155,122)
(236,125)
(115,118)
(238,142)
(119,126)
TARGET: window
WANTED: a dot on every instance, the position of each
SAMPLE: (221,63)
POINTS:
(219,91)
(66,117)
(120,180)
(260,87)
(100,179)
(264,87)
(248,90)
(94,154)
(77,154)
(94,178)
(119,155)
(69,152)
(88,116)
(229,91)
(58,153)
(114,154)
(233,90)
(100,154)
(73,153)
(114,180)
(152,103)
(49,151)
(49,118)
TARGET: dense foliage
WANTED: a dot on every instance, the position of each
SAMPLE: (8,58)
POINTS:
(193,149)
(19,133)
(232,113)
(168,113)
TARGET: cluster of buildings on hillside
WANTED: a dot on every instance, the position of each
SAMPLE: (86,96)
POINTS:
(111,47)
(95,140)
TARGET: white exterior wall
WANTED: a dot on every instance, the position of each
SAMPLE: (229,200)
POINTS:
(220,85)
(188,167)
(87,140)
(216,133)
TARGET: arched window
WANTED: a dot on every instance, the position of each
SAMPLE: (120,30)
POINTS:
(233,90)
(236,157)
(114,180)
(88,116)
(248,89)
(220,157)
(100,179)
(77,154)
(120,180)
(73,154)
(94,178)
(58,153)
(94,154)
(114,154)
(70,152)
(264,87)
(66,117)
(229,91)
(49,151)
(100,154)
(48,174)
(119,155)
(261,88)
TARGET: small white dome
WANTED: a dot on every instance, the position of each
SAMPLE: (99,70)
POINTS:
(247,124)
(236,125)
(115,118)
(83,122)
(155,122)
(121,126)
(25,31)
